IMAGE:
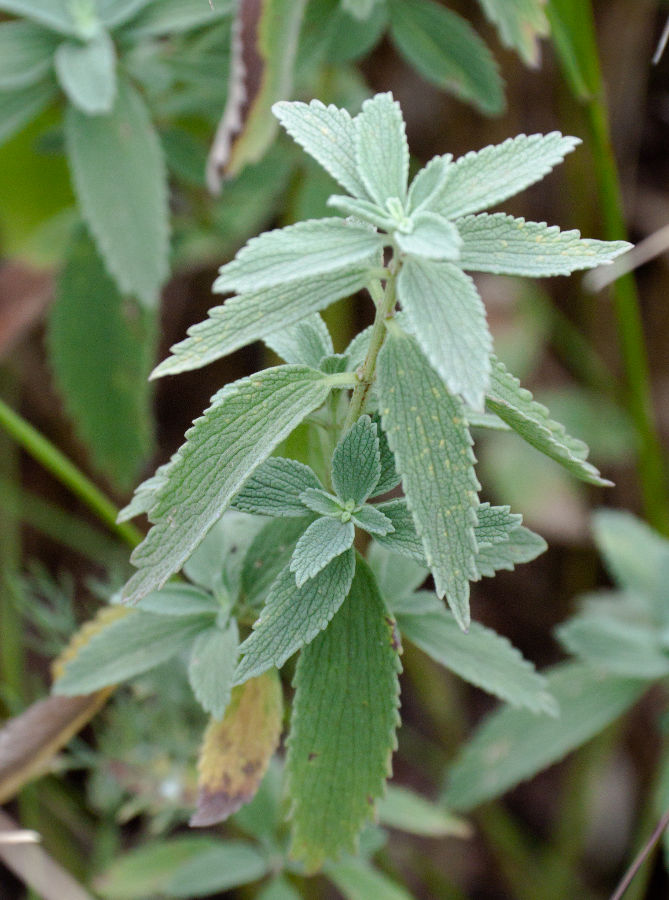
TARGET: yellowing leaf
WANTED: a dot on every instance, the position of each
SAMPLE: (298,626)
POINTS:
(236,751)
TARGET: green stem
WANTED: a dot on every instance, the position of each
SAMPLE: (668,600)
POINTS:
(384,309)
(41,449)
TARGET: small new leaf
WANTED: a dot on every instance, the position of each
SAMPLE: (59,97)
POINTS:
(323,540)
(212,663)
(87,73)
(381,149)
(275,487)
(356,462)
(372,520)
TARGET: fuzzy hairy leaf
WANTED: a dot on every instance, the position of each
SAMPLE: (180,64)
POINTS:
(306,249)
(319,501)
(217,562)
(164,17)
(120,181)
(259,315)
(212,662)
(87,73)
(431,237)
(328,134)
(305,343)
(404,537)
(428,434)
(520,24)
(127,647)
(428,182)
(269,554)
(145,493)
(495,524)
(501,244)
(292,616)
(396,577)
(448,319)
(483,178)
(365,210)
(372,520)
(446,50)
(26,52)
(56,15)
(18,107)
(236,751)
(179,599)
(389,478)
(512,745)
(615,646)
(356,462)
(343,724)
(274,488)
(381,149)
(223,448)
(482,657)
(515,406)
(323,540)
(100,348)
(521,546)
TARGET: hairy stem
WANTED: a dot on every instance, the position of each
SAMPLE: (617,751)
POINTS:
(384,309)
(41,449)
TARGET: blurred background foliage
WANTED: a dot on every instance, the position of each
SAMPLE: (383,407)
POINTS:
(108,204)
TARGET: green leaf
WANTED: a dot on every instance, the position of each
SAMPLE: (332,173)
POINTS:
(431,237)
(305,343)
(292,616)
(323,540)
(359,9)
(372,520)
(212,663)
(144,496)
(396,577)
(179,599)
(167,17)
(279,889)
(343,725)
(389,478)
(513,744)
(520,24)
(303,250)
(240,429)
(117,12)
(119,177)
(522,546)
(404,537)
(87,73)
(615,646)
(501,244)
(363,209)
(428,182)
(495,524)
(228,865)
(127,647)
(428,434)
(269,553)
(218,561)
(260,315)
(381,149)
(448,319)
(18,107)
(515,406)
(56,15)
(407,811)
(101,348)
(274,488)
(358,880)
(482,657)
(486,177)
(26,51)
(321,502)
(356,462)
(446,51)
(328,135)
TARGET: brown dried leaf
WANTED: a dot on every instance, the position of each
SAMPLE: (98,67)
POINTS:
(236,751)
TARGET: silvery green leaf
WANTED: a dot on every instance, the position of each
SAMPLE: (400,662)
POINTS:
(212,662)
(448,319)
(356,462)
(179,599)
(482,657)
(485,420)
(127,647)
(513,744)
(269,554)
(323,540)
(260,315)
(495,524)
(314,247)
(357,349)
(117,12)
(403,539)
(428,182)
(420,603)
(328,134)
(359,9)
(358,879)
(381,149)
(363,209)
(26,52)
(372,520)
(56,15)
(531,420)
(432,237)
(486,177)
(18,107)
(305,343)
(504,245)
(389,478)
(522,546)
(87,73)
(397,577)
(520,24)
(216,564)
(240,429)
(412,813)
(274,488)
(319,501)
(145,494)
(292,616)
(333,364)
(167,17)
(428,434)
(618,647)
